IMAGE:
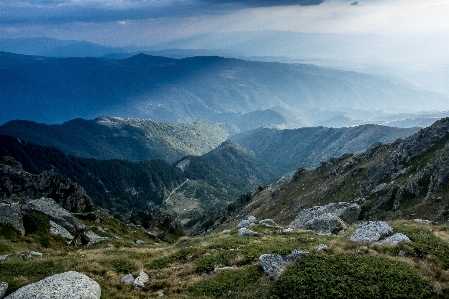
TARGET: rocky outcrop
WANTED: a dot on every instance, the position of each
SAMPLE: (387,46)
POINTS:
(247,222)
(328,219)
(64,285)
(395,239)
(57,214)
(3,289)
(89,238)
(15,183)
(275,264)
(371,231)
(141,279)
(11,214)
(58,230)
(268,223)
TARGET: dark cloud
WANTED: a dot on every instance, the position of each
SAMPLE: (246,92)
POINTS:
(62,11)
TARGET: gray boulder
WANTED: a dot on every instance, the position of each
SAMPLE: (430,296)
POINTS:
(284,231)
(252,219)
(90,238)
(127,279)
(139,242)
(326,224)
(348,212)
(11,214)
(274,264)
(298,254)
(268,222)
(56,213)
(58,230)
(371,231)
(30,254)
(140,280)
(244,223)
(321,247)
(64,285)
(247,232)
(395,239)
(3,257)
(3,289)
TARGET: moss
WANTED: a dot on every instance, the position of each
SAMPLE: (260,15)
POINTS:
(350,276)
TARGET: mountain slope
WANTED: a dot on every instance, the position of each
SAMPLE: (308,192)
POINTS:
(118,138)
(286,150)
(181,90)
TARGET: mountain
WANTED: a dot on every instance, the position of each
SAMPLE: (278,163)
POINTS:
(181,90)
(119,138)
(286,150)
(407,179)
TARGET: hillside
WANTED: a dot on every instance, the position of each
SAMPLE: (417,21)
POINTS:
(119,138)
(407,179)
(287,150)
(182,90)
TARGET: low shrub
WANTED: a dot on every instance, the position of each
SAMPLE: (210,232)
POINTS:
(123,265)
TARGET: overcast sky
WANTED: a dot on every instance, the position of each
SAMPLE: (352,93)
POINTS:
(147,22)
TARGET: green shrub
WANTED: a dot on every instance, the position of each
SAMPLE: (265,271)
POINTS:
(178,256)
(350,276)
(123,265)
(37,226)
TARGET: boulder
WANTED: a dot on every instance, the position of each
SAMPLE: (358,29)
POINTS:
(298,254)
(274,264)
(64,285)
(244,223)
(321,247)
(3,257)
(348,212)
(326,224)
(247,232)
(371,231)
(56,213)
(58,230)
(139,242)
(395,239)
(30,254)
(89,238)
(3,289)
(140,280)
(11,214)
(127,279)
(268,222)
(284,231)
(252,219)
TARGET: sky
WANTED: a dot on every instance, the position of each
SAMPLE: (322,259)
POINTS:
(149,22)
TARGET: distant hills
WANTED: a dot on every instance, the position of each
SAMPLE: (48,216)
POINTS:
(182,90)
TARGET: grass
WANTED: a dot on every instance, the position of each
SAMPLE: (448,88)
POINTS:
(186,268)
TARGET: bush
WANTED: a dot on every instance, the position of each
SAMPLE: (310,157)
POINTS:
(122,265)
(350,276)
(37,226)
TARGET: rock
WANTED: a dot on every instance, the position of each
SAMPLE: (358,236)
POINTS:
(226,231)
(423,221)
(371,231)
(3,257)
(140,281)
(11,214)
(89,238)
(3,289)
(252,219)
(218,270)
(348,212)
(100,229)
(402,253)
(326,224)
(160,293)
(321,247)
(274,264)
(247,232)
(138,242)
(395,239)
(64,285)
(244,223)
(127,279)
(58,230)
(30,254)
(60,216)
(284,231)
(268,222)
(297,254)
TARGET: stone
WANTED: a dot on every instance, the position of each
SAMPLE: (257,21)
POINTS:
(326,224)
(3,289)
(402,253)
(58,230)
(226,231)
(160,293)
(297,254)
(395,239)
(141,279)
(371,231)
(56,213)
(268,222)
(100,229)
(11,214)
(64,285)
(127,279)
(244,223)
(247,232)
(284,231)
(252,219)
(218,270)
(321,247)
(30,254)
(138,242)
(347,212)
(3,257)
(274,264)
(423,221)
(89,238)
